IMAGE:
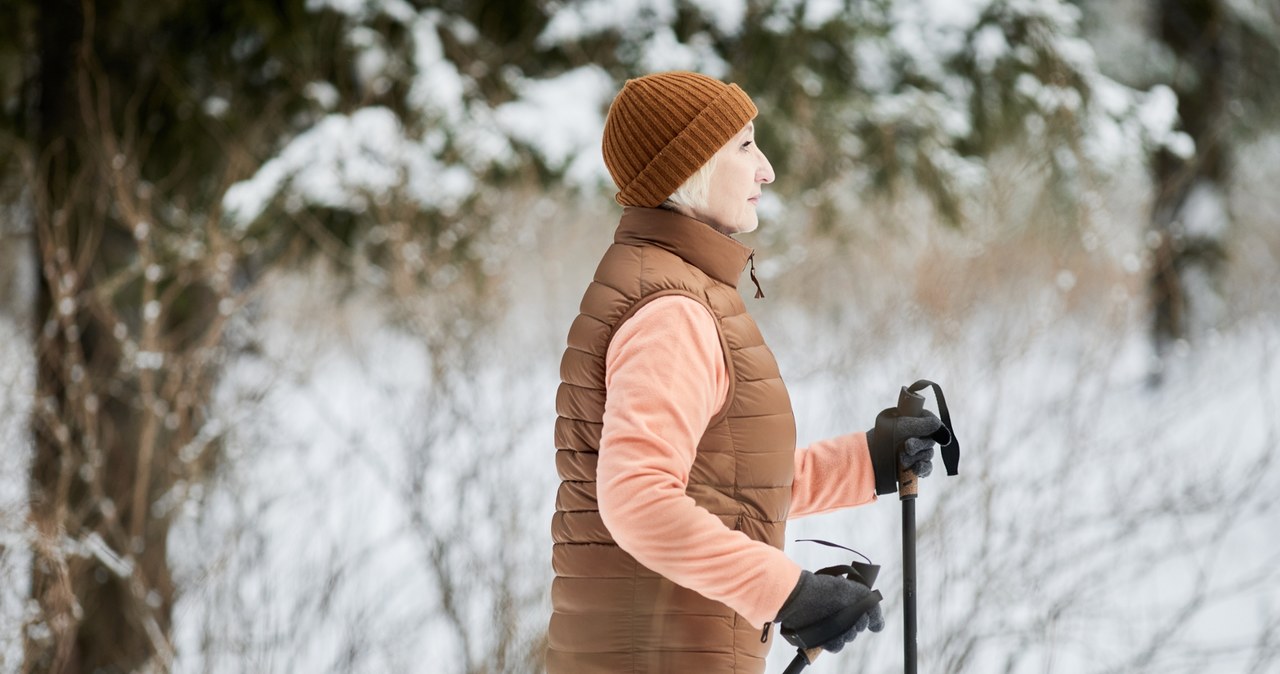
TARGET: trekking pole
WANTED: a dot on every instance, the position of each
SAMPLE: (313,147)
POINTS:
(911,404)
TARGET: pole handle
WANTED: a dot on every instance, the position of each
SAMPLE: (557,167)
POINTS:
(910,404)
(804,658)
(908,484)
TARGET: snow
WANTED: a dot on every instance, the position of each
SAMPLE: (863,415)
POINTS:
(1204,213)
(873,59)
(648,23)
(906,65)
(663,52)
(366,9)
(1124,121)
(582,19)
(1075,52)
(725,15)
(1158,114)
(438,87)
(17,375)
(371,58)
(945,14)
(989,46)
(364,471)
(563,133)
(897,43)
(344,6)
(1061,436)
(815,14)
(215,106)
(342,162)
(94,546)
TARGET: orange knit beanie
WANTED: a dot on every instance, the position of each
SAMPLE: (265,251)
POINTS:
(662,128)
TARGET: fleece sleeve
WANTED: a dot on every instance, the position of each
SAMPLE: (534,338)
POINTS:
(665,379)
(832,474)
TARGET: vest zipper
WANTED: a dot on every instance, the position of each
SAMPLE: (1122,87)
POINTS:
(764,634)
(752,259)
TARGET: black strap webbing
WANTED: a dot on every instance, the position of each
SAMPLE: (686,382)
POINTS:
(946,436)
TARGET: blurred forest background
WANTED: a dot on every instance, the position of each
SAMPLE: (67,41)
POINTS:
(284,286)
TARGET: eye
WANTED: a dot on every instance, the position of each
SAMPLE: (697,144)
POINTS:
(747,144)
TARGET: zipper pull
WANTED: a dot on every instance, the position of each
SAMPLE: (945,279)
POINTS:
(764,634)
(752,259)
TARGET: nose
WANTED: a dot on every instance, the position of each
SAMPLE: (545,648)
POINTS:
(764,172)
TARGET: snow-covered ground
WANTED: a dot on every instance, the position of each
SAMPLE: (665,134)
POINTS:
(16,380)
(386,496)
(387,490)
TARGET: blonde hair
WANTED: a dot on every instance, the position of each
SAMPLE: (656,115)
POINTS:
(692,194)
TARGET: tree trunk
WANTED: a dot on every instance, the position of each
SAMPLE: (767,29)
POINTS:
(1190,219)
(99,568)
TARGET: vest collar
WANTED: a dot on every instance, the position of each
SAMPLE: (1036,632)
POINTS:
(718,255)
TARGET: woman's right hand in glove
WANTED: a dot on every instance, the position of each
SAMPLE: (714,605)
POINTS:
(819,597)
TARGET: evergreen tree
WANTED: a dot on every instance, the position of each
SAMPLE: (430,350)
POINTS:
(1225,57)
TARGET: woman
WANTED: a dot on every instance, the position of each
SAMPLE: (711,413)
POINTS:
(675,436)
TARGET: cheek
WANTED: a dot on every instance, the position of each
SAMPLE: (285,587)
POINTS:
(743,180)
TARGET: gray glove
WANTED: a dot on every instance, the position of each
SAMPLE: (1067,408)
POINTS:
(917,451)
(817,597)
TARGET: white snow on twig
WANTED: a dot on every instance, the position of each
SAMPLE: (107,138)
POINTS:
(93,546)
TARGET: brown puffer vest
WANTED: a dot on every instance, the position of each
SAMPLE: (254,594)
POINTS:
(610,613)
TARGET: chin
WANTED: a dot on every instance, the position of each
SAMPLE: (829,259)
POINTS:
(734,226)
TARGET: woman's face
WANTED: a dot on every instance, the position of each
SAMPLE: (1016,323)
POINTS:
(741,170)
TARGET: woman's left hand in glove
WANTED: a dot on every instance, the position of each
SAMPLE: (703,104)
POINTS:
(913,435)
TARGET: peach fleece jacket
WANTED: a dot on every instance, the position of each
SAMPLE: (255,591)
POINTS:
(665,379)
